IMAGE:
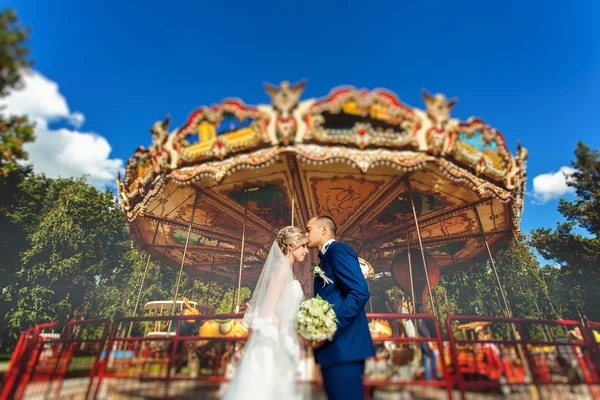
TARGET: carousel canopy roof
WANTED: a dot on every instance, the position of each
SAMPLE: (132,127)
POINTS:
(355,155)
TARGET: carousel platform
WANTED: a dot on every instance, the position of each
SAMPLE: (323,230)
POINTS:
(115,389)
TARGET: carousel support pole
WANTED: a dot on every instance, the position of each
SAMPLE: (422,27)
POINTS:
(493,264)
(412,203)
(212,269)
(410,274)
(239,284)
(370,297)
(187,242)
(509,314)
(410,270)
(137,302)
(293,210)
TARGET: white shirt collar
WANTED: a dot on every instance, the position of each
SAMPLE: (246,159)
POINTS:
(326,246)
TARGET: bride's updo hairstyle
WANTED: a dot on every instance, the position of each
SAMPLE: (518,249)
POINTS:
(290,235)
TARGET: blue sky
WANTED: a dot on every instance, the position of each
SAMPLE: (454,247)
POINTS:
(531,70)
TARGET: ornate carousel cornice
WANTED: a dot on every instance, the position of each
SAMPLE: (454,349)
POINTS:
(363,128)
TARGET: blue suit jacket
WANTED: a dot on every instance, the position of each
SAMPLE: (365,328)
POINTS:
(349,294)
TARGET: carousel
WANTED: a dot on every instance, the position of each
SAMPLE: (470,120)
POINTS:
(415,192)
(418,194)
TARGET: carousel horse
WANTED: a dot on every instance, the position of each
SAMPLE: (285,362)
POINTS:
(187,327)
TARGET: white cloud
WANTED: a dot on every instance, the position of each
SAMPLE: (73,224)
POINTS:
(552,185)
(40,99)
(61,152)
(76,119)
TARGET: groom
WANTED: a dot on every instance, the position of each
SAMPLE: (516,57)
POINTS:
(343,359)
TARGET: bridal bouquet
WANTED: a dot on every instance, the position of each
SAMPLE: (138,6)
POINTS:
(316,320)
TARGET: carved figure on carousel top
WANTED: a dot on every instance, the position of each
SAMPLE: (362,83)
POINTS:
(516,168)
(440,129)
(285,99)
(438,108)
(122,192)
(522,155)
(160,131)
(162,151)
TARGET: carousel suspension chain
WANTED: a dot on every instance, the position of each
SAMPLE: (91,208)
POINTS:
(187,242)
(412,203)
(137,302)
(293,210)
(516,330)
(410,271)
(493,264)
(239,284)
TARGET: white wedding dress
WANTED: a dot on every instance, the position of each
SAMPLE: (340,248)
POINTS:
(272,354)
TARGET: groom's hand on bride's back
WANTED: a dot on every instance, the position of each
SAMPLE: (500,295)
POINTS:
(309,343)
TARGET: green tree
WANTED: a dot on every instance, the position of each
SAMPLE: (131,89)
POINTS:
(578,255)
(77,258)
(77,239)
(518,270)
(15,131)
(474,291)
(12,235)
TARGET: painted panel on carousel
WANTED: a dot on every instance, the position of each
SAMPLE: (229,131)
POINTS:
(215,215)
(479,145)
(451,250)
(493,216)
(217,131)
(434,182)
(342,197)
(197,239)
(174,201)
(210,216)
(361,118)
(452,226)
(400,210)
(268,201)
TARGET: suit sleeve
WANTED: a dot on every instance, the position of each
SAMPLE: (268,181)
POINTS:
(353,285)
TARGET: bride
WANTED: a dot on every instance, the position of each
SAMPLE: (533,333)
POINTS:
(272,353)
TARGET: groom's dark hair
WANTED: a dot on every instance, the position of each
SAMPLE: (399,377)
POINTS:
(328,222)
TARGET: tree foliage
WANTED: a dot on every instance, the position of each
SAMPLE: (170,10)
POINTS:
(577,254)
(78,261)
(76,239)
(15,131)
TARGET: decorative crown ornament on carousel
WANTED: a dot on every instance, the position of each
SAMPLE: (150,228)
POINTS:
(391,176)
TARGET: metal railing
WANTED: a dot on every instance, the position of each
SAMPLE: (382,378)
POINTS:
(538,358)
(49,353)
(165,355)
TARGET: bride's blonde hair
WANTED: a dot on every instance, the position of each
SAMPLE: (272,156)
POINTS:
(290,235)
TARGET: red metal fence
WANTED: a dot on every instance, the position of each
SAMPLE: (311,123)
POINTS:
(49,353)
(549,359)
(166,356)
